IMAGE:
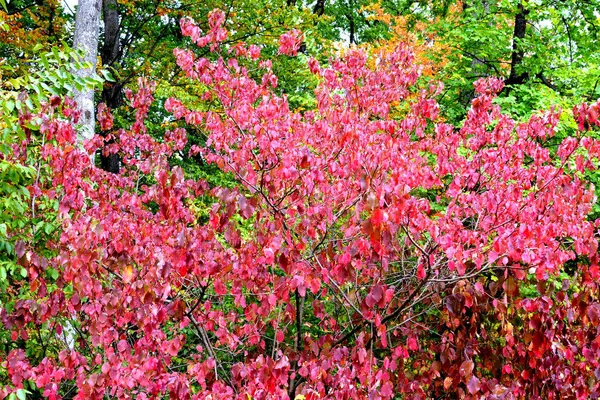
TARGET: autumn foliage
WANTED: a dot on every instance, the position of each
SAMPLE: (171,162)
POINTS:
(358,257)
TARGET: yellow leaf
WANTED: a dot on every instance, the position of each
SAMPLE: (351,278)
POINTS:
(128,274)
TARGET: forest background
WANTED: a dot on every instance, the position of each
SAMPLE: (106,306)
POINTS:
(290,199)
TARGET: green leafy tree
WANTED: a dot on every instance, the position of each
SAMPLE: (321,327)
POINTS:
(544,50)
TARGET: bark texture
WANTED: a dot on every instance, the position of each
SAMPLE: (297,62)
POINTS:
(319,7)
(87,21)
(518,77)
(112,92)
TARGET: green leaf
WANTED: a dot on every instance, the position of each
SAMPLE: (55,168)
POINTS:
(15,83)
(55,51)
(52,273)
(22,394)
(108,76)
(9,106)
(48,228)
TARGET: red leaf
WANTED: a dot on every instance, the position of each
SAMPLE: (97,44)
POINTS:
(473,385)
(387,390)
(466,368)
(122,346)
(379,217)
(370,301)
(377,293)
(412,343)
(279,336)
(420,272)
(220,288)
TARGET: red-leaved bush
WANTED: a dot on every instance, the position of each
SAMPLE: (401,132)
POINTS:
(360,256)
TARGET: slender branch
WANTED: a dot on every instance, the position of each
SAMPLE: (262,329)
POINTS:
(298,344)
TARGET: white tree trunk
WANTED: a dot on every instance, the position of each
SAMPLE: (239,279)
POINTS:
(87,26)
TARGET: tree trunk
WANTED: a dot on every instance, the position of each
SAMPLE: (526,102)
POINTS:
(110,48)
(517,78)
(87,21)
(112,92)
(319,7)
(352,28)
